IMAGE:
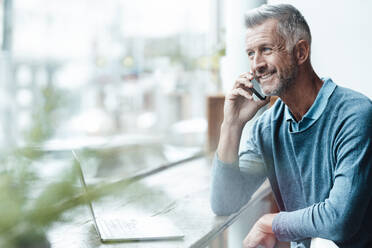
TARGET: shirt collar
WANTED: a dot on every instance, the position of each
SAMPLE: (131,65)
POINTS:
(318,105)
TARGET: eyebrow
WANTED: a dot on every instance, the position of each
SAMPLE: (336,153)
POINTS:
(260,46)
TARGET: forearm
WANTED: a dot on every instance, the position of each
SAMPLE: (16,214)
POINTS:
(314,221)
(338,218)
(227,188)
(228,146)
(235,177)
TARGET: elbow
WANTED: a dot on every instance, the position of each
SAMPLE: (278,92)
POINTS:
(223,207)
(228,193)
(222,210)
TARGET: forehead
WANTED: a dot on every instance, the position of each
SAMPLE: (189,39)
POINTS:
(266,33)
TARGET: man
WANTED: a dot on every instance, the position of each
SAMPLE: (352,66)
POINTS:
(314,145)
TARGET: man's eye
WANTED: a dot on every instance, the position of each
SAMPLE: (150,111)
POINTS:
(266,49)
(250,54)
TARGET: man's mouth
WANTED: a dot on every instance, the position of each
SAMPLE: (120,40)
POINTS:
(266,76)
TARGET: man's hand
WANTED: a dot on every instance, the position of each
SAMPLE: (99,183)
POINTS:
(239,108)
(261,233)
(239,104)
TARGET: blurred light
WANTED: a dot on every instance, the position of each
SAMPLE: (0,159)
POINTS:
(190,126)
(100,61)
(24,119)
(74,75)
(204,62)
(168,16)
(24,76)
(146,120)
(24,97)
(128,61)
(41,78)
(93,121)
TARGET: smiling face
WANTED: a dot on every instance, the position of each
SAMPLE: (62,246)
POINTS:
(271,63)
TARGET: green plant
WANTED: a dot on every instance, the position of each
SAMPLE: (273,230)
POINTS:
(29,205)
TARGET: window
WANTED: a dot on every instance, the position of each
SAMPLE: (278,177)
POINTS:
(87,69)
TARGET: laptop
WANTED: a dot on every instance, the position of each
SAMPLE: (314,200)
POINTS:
(135,229)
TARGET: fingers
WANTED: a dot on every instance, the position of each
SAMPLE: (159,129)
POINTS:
(244,82)
(242,86)
(241,92)
(252,240)
(244,79)
(248,75)
(258,239)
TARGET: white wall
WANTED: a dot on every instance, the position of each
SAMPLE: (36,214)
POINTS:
(342,40)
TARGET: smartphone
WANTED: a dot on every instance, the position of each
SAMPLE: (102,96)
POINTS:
(257,90)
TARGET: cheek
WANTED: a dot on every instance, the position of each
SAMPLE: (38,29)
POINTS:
(277,62)
(285,65)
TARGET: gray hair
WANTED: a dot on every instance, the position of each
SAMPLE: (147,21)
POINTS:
(292,26)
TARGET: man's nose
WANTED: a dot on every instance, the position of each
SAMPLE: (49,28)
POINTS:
(259,64)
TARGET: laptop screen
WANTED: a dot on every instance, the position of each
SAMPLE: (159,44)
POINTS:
(82,180)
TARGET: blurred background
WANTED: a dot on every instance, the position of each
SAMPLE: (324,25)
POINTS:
(80,73)
(122,82)
(76,71)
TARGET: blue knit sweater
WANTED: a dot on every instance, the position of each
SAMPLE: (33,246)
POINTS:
(321,175)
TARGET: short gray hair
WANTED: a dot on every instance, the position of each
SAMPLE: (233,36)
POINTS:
(292,26)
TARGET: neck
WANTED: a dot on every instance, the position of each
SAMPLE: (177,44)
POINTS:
(302,93)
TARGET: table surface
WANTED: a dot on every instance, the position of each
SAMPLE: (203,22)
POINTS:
(179,193)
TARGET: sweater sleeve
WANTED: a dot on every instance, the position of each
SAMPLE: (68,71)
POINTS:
(233,184)
(340,216)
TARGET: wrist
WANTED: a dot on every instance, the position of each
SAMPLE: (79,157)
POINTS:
(231,127)
(228,145)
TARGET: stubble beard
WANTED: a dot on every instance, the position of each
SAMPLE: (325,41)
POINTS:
(286,80)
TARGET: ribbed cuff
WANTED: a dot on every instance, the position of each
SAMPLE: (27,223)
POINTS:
(221,164)
(278,226)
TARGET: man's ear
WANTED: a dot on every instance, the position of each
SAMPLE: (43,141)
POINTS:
(302,51)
